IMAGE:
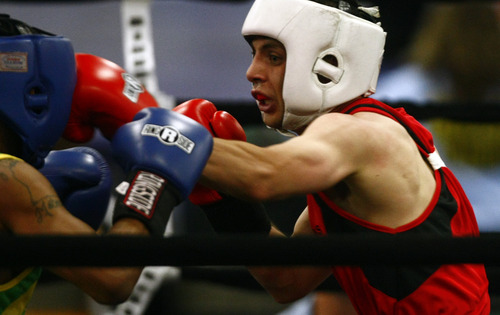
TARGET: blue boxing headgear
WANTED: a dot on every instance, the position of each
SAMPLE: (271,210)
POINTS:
(38,76)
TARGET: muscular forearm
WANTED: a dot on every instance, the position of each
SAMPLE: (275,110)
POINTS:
(277,171)
(108,285)
(219,176)
(284,283)
(104,285)
(241,169)
(276,280)
(287,284)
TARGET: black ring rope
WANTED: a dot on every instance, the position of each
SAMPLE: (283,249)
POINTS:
(246,250)
(481,112)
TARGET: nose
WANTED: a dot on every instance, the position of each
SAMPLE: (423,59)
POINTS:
(254,72)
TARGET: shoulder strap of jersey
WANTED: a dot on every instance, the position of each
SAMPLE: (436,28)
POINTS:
(422,137)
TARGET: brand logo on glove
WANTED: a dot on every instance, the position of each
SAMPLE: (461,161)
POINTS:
(133,88)
(144,192)
(169,136)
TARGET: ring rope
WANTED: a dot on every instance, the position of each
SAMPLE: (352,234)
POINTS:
(247,250)
(482,112)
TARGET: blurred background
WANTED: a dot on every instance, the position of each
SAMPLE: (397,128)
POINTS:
(442,63)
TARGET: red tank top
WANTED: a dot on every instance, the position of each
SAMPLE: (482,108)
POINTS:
(432,289)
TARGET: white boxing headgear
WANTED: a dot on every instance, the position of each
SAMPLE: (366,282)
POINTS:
(313,33)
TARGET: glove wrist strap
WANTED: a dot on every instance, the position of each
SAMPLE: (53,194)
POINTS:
(146,197)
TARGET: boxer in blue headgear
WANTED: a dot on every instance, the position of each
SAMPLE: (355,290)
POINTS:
(61,192)
(38,75)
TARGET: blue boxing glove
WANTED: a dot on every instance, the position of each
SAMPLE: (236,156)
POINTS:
(82,180)
(163,153)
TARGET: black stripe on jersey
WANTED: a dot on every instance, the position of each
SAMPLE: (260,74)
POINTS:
(397,281)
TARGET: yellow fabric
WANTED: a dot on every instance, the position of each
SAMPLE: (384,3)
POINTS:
(15,281)
(16,294)
(8,156)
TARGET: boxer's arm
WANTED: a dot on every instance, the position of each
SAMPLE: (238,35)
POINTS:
(220,124)
(34,208)
(321,157)
(288,284)
(108,285)
(226,214)
(230,215)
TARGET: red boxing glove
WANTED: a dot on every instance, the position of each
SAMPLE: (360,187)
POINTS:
(222,125)
(105,97)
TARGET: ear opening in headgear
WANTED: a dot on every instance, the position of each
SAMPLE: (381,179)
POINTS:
(328,68)
(330,59)
(37,101)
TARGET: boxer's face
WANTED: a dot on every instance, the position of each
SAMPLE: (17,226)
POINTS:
(266,72)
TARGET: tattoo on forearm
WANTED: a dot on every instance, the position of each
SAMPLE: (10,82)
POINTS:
(43,206)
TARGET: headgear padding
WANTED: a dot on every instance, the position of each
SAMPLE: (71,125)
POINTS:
(311,31)
(38,76)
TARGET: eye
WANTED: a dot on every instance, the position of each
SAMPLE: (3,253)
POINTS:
(275,59)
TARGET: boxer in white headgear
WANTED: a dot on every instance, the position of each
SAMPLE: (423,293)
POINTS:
(333,53)
(366,168)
